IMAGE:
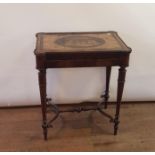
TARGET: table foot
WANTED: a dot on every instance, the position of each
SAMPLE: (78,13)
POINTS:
(45,126)
(116,122)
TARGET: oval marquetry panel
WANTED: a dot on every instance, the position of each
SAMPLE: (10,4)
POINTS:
(79,41)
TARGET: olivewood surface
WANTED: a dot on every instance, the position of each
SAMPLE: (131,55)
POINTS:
(87,131)
(78,42)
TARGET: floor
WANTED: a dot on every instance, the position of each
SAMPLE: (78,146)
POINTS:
(20,130)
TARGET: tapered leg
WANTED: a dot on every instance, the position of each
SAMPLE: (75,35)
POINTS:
(106,95)
(42,86)
(121,80)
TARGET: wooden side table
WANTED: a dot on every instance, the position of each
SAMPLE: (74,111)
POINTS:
(81,49)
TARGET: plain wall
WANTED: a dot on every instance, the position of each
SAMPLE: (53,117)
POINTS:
(18,77)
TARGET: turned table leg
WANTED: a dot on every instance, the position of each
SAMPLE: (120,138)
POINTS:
(121,80)
(106,95)
(42,86)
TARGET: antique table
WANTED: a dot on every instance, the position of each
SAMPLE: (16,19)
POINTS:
(81,49)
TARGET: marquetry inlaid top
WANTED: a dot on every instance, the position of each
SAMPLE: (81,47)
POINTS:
(80,42)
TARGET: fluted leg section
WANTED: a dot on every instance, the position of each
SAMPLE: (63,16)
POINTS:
(42,86)
(106,95)
(121,81)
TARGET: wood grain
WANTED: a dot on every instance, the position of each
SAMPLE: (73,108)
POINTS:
(88,131)
(77,42)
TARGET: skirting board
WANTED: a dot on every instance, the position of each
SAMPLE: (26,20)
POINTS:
(71,104)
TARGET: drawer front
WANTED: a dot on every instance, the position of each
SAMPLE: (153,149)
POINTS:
(64,62)
(84,63)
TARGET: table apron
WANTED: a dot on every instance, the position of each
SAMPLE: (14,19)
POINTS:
(122,61)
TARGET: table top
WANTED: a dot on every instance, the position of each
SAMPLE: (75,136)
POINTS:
(80,42)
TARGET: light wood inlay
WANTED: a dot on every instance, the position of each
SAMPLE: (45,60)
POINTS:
(77,42)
